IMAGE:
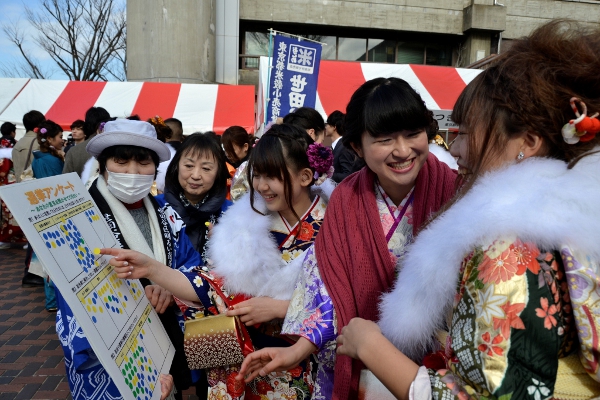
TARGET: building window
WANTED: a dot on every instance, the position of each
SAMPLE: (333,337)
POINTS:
(329,52)
(355,49)
(380,50)
(410,53)
(352,49)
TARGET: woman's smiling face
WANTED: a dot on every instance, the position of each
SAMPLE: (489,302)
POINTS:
(396,159)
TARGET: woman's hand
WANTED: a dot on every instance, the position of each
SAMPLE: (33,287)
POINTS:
(271,359)
(159,297)
(130,264)
(166,385)
(259,309)
(354,336)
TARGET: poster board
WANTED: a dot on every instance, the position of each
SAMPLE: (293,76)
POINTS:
(64,226)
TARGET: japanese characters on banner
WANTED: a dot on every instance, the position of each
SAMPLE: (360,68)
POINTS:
(64,227)
(294,75)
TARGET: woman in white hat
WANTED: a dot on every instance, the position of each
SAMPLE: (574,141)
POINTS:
(128,155)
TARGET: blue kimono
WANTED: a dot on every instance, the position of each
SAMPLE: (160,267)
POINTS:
(87,377)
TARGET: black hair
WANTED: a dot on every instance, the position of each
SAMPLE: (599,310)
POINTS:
(93,118)
(199,144)
(33,119)
(281,147)
(127,152)
(236,135)
(382,106)
(77,124)
(336,119)
(306,118)
(50,130)
(8,128)
(177,133)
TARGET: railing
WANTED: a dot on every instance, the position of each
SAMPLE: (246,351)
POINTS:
(248,61)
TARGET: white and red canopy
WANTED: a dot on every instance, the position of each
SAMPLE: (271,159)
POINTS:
(438,86)
(199,107)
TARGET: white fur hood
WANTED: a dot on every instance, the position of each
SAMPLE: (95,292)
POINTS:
(539,200)
(245,254)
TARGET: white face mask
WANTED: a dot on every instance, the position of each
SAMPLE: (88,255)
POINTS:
(129,188)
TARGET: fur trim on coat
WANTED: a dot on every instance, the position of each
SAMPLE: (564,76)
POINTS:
(538,200)
(245,254)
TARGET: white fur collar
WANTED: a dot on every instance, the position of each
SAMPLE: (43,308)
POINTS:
(538,199)
(245,254)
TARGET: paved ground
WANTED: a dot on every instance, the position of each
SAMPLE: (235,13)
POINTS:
(31,359)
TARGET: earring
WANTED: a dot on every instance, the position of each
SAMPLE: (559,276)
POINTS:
(520,156)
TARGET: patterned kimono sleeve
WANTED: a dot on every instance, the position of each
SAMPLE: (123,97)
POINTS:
(512,325)
(311,314)
(209,303)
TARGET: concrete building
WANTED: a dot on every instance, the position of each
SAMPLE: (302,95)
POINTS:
(208,41)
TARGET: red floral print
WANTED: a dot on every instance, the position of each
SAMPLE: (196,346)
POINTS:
(547,313)
(526,254)
(490,346)
(512,319)
(499,269)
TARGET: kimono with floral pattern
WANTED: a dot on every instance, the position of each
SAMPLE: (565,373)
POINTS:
(297,383)
(311,313)
(513,327)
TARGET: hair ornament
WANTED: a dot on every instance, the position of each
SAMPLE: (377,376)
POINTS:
(101,126)
(255,143)
(157,121)
(36,129)
(582,128)
(42,140)
(43,131)
(320,158)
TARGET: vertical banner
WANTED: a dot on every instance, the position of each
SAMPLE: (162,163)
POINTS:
(294,75)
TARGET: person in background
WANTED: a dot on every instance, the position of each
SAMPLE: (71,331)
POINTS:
(238,145)
(177,137)
(77,134)
(21,152)
(10,232)
(308,119)
(196,187)
(371,219)
(27,144)
(517,277)
(128,154)
(48,161)
(164,134)
(78,155)
(345,161)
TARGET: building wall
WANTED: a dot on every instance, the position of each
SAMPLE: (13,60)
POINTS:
(437,16)
(171,41)
(174,40)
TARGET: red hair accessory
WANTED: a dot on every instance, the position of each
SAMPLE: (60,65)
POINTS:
(582,128)
(36,129)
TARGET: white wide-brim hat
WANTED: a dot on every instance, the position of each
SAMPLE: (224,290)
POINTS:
(128,132)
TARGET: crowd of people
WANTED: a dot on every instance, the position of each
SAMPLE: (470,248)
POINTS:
(369,268)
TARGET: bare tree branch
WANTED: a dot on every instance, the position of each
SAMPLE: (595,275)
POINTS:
(84,38)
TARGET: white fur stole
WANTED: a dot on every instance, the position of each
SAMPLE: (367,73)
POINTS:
(539,200)
(246,255)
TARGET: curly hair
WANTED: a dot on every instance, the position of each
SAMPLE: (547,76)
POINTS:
(528,89)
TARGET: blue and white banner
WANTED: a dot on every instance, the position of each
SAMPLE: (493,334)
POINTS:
(294,75)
